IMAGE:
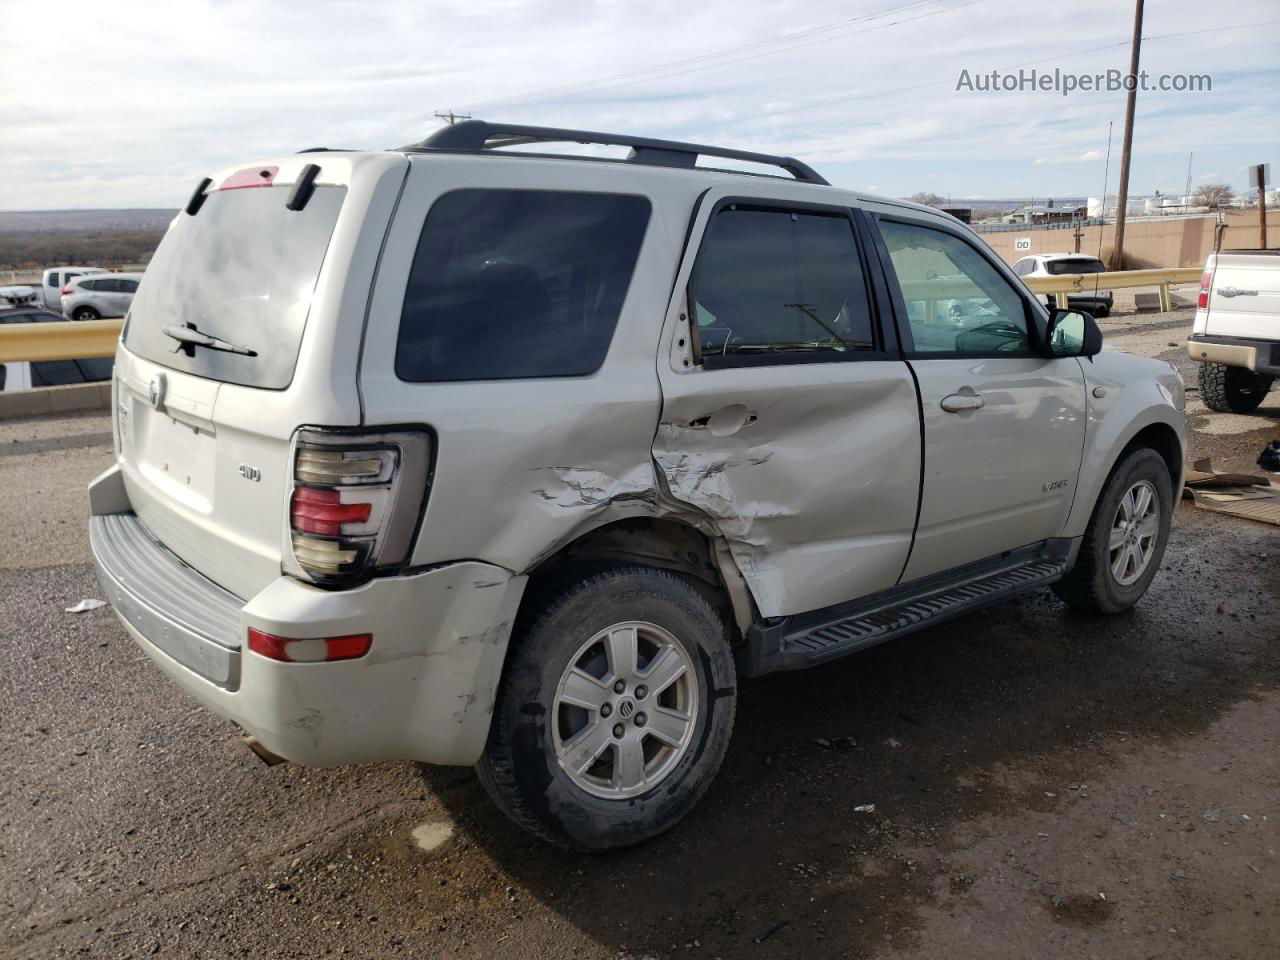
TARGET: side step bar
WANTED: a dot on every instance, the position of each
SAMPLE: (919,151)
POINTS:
(793,643)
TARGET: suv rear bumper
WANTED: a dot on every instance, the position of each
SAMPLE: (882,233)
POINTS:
(424,692)
(1260,356)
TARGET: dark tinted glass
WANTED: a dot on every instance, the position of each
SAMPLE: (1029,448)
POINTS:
(770,281)
(1084,265)
(128,286)
(96,285)
(57,373)
(511,284)
(243,269)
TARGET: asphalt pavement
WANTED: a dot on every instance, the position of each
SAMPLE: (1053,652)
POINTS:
(1043,784)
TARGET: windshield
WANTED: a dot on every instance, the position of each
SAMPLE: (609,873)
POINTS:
(1075,265)
(242,270)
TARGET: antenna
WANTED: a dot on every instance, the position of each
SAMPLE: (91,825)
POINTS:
(1102,227)
(1186,194)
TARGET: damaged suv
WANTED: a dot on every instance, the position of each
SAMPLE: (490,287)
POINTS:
(467,455)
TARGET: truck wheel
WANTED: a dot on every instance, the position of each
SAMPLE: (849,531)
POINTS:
(1125,539)
(1232,389)
(614,711)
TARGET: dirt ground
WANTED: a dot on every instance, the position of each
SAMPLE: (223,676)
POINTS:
(1044,784)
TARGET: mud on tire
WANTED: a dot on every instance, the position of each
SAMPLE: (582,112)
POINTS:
(520,768)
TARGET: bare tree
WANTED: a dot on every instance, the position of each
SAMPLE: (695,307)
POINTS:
(1213,195)
(928,199)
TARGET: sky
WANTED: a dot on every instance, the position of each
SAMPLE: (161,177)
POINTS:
(130,103)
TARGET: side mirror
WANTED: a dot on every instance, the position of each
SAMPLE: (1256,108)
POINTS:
(1072,333)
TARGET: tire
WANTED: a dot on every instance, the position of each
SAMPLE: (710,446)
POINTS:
(600,807)
(1232,389)
(85,313)
(1094,584)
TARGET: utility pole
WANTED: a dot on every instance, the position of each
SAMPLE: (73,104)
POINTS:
(1130,102)
(453,117)
(1259,174)
(1186,193)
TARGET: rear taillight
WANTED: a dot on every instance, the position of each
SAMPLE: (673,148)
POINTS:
(309,649)
(1206,284)
(356,501)
(66,291)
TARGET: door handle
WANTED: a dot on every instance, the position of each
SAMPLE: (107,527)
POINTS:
(959,402)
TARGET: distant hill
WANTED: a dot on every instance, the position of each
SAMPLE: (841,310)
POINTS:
(84,221)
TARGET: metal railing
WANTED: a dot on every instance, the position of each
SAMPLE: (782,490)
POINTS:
(97,338)
(1078,284)
(66,340)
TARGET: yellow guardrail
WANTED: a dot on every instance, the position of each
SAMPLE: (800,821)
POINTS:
(69,340)
(97,338)
(1077,283)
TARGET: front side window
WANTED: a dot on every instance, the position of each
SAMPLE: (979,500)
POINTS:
(957,302)
(514,284)
(779,282)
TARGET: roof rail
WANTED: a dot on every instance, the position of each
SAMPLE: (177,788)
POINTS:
(473,136)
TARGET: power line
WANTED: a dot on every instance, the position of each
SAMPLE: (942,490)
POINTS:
(656,72)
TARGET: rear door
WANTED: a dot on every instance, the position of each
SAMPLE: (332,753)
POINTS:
(206,434)
(1003,423)
(789,417)
(1245,298)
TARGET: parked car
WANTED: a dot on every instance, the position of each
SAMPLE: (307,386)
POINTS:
(24,374)
(1236,333)
(468,456)
(100,296)
(1096,302)
(54,279)
(19,295)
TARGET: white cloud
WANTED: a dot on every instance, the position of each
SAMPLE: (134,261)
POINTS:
(184,88)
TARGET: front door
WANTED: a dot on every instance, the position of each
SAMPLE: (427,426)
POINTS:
(1004,422)
(789,420)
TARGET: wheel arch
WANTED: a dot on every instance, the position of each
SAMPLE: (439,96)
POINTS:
(667,543)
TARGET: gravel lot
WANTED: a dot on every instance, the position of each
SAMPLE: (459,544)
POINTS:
(1045,784)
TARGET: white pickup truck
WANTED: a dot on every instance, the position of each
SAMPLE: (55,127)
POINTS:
(1236,336)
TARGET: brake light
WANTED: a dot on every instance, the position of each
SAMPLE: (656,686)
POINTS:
(1206,284)
(66,291)
(356,501)
(309,649)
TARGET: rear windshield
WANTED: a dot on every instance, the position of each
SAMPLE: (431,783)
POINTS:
(510,284)
(242,269)
(1083,265)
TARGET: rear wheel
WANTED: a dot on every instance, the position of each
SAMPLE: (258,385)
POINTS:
(1125,540)
(85,313)
(614,712)
(1232,389)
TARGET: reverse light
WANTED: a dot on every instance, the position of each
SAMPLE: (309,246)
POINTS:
(356,501)
(309,649)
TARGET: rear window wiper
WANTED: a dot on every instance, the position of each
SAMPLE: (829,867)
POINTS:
(189,338)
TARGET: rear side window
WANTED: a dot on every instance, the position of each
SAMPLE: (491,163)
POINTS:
(513,284)
(780,283)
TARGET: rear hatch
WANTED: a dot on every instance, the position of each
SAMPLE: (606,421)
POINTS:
(1244,299)
(1071,265)
(246,325)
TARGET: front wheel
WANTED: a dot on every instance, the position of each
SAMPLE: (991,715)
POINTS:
(1125,540)
(614,712)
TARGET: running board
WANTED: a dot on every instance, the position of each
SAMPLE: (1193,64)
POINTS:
(793,643)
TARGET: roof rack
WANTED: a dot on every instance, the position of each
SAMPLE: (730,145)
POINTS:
(474,136)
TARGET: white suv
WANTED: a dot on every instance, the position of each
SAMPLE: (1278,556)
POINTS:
(1092,299)
(467,456)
